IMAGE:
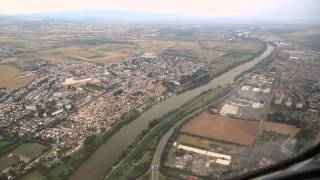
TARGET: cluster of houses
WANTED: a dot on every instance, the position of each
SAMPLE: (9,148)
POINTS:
(70,101)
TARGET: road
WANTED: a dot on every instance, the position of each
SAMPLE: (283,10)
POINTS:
(162,144)
(154,168)
(262,124)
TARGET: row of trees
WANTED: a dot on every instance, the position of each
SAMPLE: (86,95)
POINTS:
(74,161)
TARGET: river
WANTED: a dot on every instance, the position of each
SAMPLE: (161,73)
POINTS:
(108,153)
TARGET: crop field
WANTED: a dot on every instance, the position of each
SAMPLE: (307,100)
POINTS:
(5,162)
(4,143)
(103,53)
(35,175)
(9,77)
(209,144)
(25,152)
(30,150)
(303,33)
(213,51)
(308,37)
(222,128)
(194,141)
(156,46)
(282,128)
(4,60)
(90,53)
(74,44)
(117,50)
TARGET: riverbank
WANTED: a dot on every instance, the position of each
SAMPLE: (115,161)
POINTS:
(90,145)
(265,62)
(139,158)
(205,78)
(108,153)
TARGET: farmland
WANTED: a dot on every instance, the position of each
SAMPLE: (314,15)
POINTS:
(23,152)
(208,144)
(213,51)
(9,77)
(30,150)
(4,143)
(5,162)
(282,128)
(211,134)
(220,55)
(33,176)
(309,37)
(222,128)
(102,44)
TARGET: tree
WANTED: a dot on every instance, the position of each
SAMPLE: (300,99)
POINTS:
(180,152)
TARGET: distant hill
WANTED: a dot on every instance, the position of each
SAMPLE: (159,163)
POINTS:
(116,16)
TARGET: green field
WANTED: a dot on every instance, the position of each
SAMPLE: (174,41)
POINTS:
(5,162)
(27,150)
(3,144)
(35,175)
(30,150)
(193,141)
(7,145)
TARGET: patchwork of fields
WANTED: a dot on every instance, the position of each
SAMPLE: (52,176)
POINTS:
(219,54)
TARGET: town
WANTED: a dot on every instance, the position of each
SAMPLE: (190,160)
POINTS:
(71,101)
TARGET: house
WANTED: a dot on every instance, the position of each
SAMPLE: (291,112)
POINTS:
(59,111)
(299,105)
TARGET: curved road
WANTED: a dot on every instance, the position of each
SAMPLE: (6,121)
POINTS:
(154,168)
(164,140)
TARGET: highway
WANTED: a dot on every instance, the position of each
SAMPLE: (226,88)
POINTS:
(154,168)
(162,144)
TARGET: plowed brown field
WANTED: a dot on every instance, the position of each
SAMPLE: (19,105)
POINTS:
(223,128)
(282,128)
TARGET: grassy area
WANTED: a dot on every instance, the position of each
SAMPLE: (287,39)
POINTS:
(193,141)
(5,162)
(3,144)
(27,150)
(162,177)
(143,163)
(239,56)
(136,159)
(65,168)
(30,150)
(34,175)
(7,145)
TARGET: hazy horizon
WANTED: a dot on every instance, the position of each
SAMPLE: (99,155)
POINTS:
(271,10)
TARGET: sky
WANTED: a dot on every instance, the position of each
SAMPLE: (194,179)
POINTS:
(291,9)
